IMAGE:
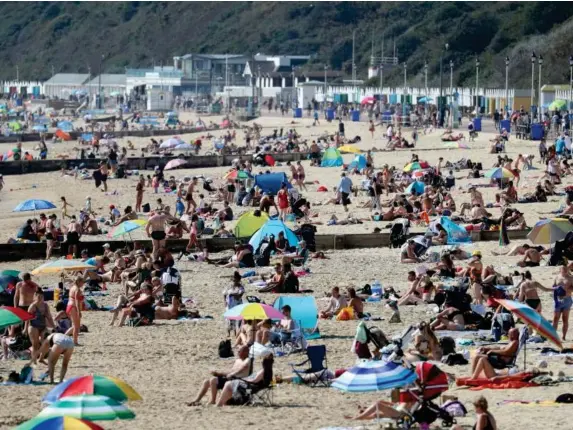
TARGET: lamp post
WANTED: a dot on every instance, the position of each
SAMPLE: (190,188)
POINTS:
(533,60)
(540,62)
(405,77)
(570,83)
(381,76)
(506,84)
(451,116)
(477,86)
(426,78)
(440,107)
(99,101)
(293,101)
(325,69)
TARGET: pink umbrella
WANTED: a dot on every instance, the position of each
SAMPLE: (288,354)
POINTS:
(368,100)
(174,164)
(418,174)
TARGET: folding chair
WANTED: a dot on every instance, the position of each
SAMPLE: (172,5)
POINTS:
(317,364)
(296,342)
(259,396)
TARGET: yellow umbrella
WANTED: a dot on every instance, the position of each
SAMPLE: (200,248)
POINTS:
(58,266)
(350,149)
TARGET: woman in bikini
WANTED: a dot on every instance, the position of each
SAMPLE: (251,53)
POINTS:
(74,308)
(37,326)
(301,175)
(528,291)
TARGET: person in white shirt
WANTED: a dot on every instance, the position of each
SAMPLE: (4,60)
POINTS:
(335,305)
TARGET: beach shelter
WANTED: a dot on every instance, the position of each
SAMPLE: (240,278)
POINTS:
(558,105)
(304,311)
(358,163)
(271,182)
(273,227)
(331,158)
(249,223)
(15,126)
(65,125)
(456,233)
(416,187)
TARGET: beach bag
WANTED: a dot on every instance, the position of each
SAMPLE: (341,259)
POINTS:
(225,349)
(146,208)
(455,408)
(345,314)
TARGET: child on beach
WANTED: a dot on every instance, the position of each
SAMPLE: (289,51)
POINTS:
(88,206)
(65,205)
(114,213)
(155,183)
(179,207)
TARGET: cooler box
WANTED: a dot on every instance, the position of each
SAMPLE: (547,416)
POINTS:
(329,114)
(505,123)
(355,115)
(297,112)
(477,124)
(536,131)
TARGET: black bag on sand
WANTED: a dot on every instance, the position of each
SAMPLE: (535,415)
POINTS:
(225,349)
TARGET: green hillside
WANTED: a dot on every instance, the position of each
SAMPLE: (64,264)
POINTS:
(72,36)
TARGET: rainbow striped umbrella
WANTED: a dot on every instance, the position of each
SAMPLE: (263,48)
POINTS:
(108,386)
(88,407)
(532,318)
(253,311)
(62,265)
(550,230)
(13,316)
(374,376)
(499,173)
(127,227)
(58,423)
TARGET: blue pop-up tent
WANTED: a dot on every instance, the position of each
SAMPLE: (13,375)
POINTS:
(359,163)
(456,233)
(273,227)
(303,311)
(271,182)
(331,158)
(416,188)
(65,126)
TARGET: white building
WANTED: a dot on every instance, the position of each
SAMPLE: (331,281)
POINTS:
(63,85)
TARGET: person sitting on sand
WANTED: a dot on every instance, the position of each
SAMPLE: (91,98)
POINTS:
(275,284)
(242,258)
(141,303)
(531,257)
(489,358)
(240,369)
(420,290)
(235,393)
(450,318)
(408,253)
(336,304)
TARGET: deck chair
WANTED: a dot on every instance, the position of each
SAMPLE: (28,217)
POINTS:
(316,363)
(523,336)
(259,396)
(296,342)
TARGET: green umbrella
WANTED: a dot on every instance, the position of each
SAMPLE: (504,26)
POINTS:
(558,105)
(88,407)
(13,273)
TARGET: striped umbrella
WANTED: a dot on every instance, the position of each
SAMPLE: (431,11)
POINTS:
(238,174)
(88,407)
(253,311)
(374,376)
(550,230)
(63,265)
(12,316)
(499,173)
(58,423)
(532,318)
(127,227)
(111,387)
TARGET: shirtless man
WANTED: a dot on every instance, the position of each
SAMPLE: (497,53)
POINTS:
(240,369)
(155,228)
(562,288)
(104,172)
(24,295)
(189,196)
(531,257)
(521,250)
(139,188)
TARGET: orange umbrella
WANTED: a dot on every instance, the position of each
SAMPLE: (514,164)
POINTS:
(63,135)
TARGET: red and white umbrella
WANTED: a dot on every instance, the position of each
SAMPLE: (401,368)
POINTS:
(174,164)
(368,100)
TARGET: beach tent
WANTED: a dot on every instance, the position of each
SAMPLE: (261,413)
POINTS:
(249,223)
(359,163)
(331,158)
(273,227)
(456,233)
(271,182)
(65,126)
(416,188)
(304,311)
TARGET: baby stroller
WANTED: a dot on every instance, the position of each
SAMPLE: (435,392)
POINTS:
(399,232)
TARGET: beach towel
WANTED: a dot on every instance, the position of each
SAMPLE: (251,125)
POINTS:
(519,380)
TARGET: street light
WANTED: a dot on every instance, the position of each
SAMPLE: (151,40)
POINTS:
(570,82)
(426,78)
(99,101)
(381,76)
(440,107)
(451,116)
(405,78)
(477,86)
(540,62)
(506,84)
(533,60)
(325,69)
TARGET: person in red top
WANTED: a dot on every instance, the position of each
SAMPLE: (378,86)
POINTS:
(282,197)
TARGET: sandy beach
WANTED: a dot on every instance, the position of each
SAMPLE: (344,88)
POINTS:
(167,362)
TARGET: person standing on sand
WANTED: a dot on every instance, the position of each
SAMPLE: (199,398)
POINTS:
(155,229)
(103,168)
(345,188)
(139,188)
(189,196)
(562,289)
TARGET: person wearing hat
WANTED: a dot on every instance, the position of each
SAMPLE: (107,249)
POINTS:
(107,252)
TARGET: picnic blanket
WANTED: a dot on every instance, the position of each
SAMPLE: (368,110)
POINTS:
(519,380)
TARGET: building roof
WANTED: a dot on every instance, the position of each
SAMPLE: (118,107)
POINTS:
(564,87)
(265,67)
(211,56)
(109,80)
(68,79)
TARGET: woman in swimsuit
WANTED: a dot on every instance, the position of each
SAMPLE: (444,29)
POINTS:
(528,291)
(42,319)
(301,175)
(485,420)
(446,268)
(57,344)
(74,308)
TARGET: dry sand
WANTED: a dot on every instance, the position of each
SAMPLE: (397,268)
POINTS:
(167,362)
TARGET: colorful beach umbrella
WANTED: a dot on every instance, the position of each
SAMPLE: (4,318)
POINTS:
(58,423)
(34,205)
(11,316)
(59,266)
(558,105)
(253,311)
(368,100)
(108,386)
(9,279)
(374,376)
(459,145)
(532,318)
(174,164)
(88,407)
(172,142)
(351,149)
(418,174)
(127,227)
(499,173)
(550,230)
(238,174)
(417,165)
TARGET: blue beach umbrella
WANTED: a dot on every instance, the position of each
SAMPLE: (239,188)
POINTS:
(374,376)
(416,187)
(34,205)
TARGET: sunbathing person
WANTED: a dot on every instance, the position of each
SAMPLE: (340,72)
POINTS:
(383,409)
(490,358)
(240,369)
(531,257)
(308,378)
(426,345)
(451,138)
(235,392)
(450,318)
(140,303)
(168,312)
(419,290)
(247,333)
(521,250)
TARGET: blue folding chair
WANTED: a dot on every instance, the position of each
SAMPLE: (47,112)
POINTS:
(317,364)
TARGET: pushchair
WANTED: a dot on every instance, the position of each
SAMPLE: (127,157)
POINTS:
(399,232)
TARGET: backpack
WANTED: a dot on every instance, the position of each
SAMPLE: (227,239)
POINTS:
(225,349)
(448,345)
(291,283)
